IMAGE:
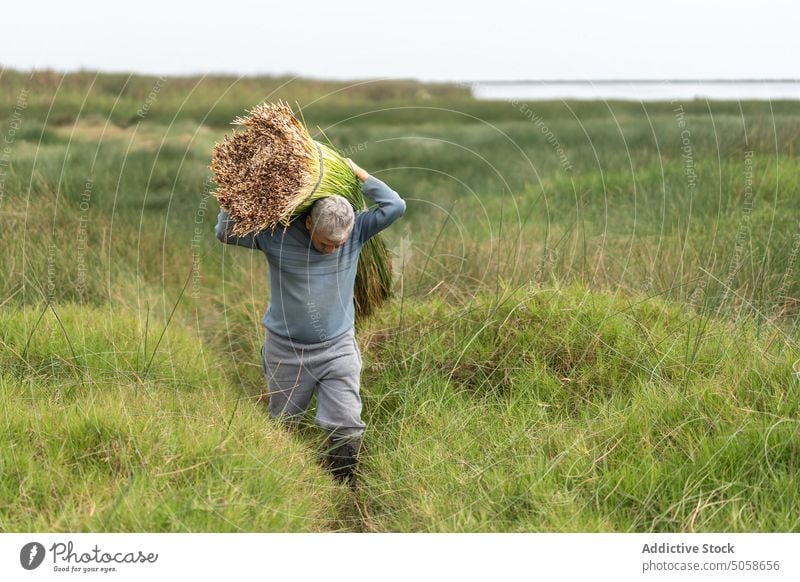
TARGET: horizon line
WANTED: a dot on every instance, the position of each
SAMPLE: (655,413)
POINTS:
(649,81)
(608,81)
(605,81)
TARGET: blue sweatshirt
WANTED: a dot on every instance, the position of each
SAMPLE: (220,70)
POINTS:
(311,293)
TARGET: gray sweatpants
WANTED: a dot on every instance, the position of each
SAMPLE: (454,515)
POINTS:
(293,372)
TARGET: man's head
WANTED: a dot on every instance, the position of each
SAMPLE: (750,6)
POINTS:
(330,223)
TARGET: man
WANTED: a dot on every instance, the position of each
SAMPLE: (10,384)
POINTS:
(310,339)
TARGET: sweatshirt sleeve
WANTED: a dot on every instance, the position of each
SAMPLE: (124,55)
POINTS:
(390,208)
(224,233)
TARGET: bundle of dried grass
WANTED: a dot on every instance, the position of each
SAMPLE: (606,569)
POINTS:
(265,171)
(271,171)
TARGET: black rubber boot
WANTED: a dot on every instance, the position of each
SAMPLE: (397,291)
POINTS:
(342,459)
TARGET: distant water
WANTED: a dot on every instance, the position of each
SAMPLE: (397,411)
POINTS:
(637,90)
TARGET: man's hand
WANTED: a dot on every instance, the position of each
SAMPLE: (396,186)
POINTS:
(359,171)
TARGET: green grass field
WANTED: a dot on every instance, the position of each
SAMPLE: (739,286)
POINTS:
(595,325)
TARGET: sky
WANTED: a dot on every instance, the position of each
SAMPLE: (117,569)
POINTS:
(421,39)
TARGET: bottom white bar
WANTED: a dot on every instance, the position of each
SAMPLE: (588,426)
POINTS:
(615,557)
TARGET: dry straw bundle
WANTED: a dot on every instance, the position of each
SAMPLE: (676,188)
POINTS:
(271,171)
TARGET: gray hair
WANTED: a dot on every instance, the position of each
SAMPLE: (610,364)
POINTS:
(333,216)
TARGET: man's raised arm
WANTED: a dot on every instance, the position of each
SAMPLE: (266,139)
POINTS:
(390,205)
(224,233)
